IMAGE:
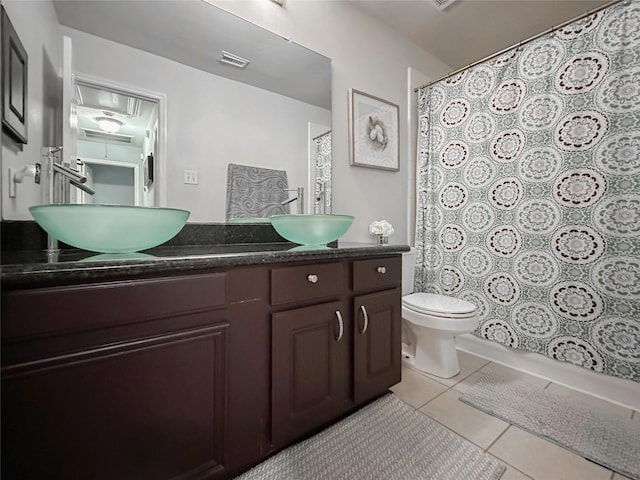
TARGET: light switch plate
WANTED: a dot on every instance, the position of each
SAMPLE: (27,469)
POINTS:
(191,177)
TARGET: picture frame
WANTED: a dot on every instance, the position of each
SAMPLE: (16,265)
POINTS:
(15,63)
(374,140)
(147,168)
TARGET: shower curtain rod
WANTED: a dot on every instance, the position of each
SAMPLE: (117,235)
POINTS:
(523,42)
(321,135)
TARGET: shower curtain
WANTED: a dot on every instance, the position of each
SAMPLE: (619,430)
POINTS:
(529,193)
(322,179)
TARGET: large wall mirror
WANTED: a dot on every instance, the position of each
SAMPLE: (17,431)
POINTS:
(165,106)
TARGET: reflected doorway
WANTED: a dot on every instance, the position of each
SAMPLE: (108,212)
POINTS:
(115,183)
(117,132)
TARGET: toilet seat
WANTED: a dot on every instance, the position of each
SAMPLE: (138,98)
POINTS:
(439,306)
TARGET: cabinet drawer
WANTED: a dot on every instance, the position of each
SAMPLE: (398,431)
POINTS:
(42,311)
(306,282)
(377,273)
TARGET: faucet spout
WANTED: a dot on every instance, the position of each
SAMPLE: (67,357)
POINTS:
(299,198)
(70,173)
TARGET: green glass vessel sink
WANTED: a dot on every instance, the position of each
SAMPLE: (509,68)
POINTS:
(110,228)
(311,229)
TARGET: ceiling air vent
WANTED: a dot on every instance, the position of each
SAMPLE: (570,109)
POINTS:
(442,4)
(231,59)
(112,137)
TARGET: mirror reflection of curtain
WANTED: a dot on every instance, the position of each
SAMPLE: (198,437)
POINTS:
(255,192)
(322,182)
(529,193)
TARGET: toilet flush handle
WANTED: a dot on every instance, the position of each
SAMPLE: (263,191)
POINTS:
(366,319)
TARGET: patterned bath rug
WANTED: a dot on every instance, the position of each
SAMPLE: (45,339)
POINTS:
(386,440)
(609,440)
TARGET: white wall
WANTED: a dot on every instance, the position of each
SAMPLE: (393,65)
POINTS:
(366,56)
(36,24)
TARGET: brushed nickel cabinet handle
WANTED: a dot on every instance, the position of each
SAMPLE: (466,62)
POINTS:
(340,325)
(366,319)
(312,278)
(382,270)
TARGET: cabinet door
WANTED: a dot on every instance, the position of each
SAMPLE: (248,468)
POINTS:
(309,359)
(377,343)
(150,408)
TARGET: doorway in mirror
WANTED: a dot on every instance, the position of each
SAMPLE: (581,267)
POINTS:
(118,127)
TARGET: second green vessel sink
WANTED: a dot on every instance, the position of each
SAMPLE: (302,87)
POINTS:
(311,229)
(110,228)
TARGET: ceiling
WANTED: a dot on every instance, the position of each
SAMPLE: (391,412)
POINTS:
(135,114)
(469,30)
(195,33)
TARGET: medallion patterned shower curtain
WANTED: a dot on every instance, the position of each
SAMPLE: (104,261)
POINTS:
(529,193)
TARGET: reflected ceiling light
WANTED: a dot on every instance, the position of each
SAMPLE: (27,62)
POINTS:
(109,125)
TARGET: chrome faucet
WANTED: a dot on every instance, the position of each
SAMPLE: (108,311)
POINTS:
(59,179)
(299,199)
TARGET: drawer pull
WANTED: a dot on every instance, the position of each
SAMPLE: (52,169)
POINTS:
(312,278)
(382,270)
(340,325)
(366,319)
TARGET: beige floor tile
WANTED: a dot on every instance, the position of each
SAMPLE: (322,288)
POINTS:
(416,389)
(471,423)
(596,403)
(543,460)
(468,364)
(512,374)
(617,476)
(512,474)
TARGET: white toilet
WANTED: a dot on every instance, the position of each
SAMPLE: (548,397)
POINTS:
(430,323)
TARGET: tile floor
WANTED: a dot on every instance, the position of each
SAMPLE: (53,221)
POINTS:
(526,456)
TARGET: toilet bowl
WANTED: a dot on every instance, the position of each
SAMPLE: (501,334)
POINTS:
(431,323)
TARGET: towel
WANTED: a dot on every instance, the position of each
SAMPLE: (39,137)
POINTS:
(255,192)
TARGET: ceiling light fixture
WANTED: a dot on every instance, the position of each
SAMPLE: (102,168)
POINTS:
(109,125)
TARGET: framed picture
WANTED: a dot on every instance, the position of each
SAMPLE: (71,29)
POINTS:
(14,82)
(373,132)
(147,167)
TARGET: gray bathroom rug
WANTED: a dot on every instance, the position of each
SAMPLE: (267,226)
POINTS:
(606,439)
(386,440)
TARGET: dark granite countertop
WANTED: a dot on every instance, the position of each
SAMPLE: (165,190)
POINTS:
(33,268)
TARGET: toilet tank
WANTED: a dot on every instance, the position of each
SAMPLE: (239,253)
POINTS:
(408,271)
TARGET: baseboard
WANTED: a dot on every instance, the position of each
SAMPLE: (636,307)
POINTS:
(613,389)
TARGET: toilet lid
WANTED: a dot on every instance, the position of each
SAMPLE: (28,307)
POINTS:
(439,304)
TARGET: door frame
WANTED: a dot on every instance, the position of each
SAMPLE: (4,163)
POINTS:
(160,157)
(137,184)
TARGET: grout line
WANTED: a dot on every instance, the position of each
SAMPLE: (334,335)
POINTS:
(459,435)
(498,438)
(509,466)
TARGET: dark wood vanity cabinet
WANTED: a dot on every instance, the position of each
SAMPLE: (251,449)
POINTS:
(142,379)
(377,326)
(192,376)
(340,352)
(309,379)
